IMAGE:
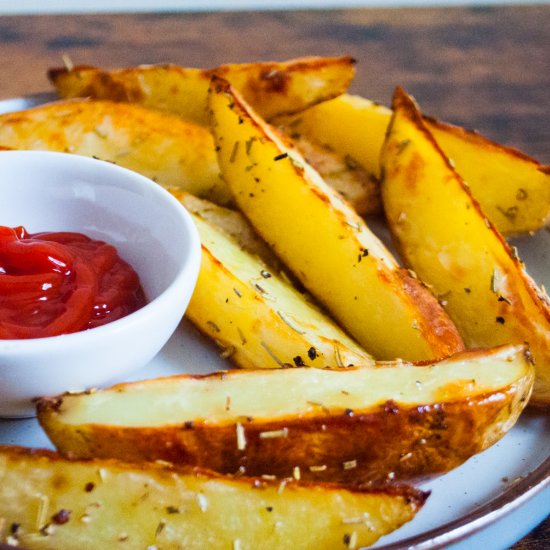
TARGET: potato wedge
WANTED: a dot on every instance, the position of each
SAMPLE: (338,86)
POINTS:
(163,147)
(47,502)
(257,317)
(512,188)
(323,241)
(273,88)
(445,237)
(395,421)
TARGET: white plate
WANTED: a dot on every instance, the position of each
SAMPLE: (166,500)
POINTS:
(491,501)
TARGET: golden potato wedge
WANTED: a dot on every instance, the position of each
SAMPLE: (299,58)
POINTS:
(445,237)
(257,317)
(163,147)
(47,502)
(395,421)
(512,188)
(231,222)
(273,88)
(323,241)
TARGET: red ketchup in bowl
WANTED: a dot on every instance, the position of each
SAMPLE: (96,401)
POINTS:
(63,282)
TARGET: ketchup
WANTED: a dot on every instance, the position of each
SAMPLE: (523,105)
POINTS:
(58,283)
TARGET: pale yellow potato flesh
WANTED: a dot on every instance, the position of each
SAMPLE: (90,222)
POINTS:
(350,124)
(47,502)
(323,241)
(358,186)
(445,237)
(163,147)
(233,223)
(257,317)
(512,188)
(274,88)
(346,425)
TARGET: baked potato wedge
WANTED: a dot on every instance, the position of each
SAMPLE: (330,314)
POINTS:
(48,502)
(396,421)
(444,235)
(163,147)
(257,317)
(512,188)
(273,88)
(323,241)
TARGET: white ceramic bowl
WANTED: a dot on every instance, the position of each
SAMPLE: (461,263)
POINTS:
(151,231)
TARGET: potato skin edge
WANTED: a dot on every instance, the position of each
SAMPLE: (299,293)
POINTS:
(389,442)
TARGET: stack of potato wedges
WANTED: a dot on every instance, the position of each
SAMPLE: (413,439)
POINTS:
(360,371)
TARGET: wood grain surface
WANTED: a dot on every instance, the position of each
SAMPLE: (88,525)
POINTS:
(484,68)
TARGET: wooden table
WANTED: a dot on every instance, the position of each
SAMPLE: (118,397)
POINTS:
(485,68)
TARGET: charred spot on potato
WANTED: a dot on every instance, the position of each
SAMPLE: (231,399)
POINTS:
(89,487)
(61,517)
(312,353)
(274,81)
(439,421)
(298,361)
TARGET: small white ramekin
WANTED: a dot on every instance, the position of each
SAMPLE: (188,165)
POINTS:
(151,231)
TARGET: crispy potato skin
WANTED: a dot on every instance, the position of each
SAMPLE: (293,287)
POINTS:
(323,241)
(375,442)
(410,444)
(273,88)
(161,146)
(457,250)
(48,502)
(512,188)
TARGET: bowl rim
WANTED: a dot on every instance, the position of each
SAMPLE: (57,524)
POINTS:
(187,271)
